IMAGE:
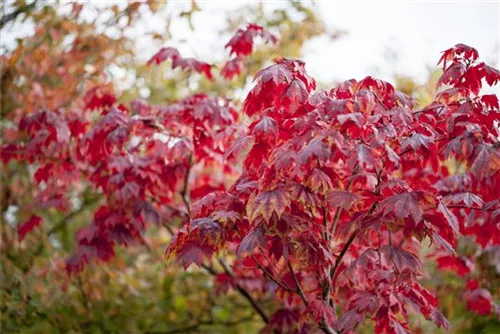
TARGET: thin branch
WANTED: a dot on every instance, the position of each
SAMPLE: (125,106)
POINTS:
(65,220)
(210,269)
(335,222)
(378,249)
(339,210)
(325,223)
(245,293)
(228,271)
(300,291)
(342,254)
(326,289)
(200,323)
(380,101)
(84,295)
(264,270)
(438,139)
(325,328)
(271,276)
(185,189)
(429,109)
(326,285)
(12,16)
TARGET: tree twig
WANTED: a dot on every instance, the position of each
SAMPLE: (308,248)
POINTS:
(244,292)
(84,295)
(339,209)
(185,189)
(270,275)
(65,220)
(344,250)
(300,291)
(20,10)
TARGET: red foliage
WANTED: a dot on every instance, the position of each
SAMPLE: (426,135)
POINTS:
(462,266)
(28,226)
(332,180)
(338,188)
(479,301)
(241,45)
(186,64)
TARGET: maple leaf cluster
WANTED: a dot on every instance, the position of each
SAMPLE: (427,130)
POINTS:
(185,64)
(338,193)
(241,46)
(341,188)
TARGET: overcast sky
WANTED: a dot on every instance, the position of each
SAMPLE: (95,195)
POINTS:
(417,30)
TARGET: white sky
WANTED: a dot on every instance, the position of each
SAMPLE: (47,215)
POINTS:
(417,30)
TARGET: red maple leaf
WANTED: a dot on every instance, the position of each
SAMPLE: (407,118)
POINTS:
(461,265)
(232,68)
(241,44)
(28,226)
(479,301)
(163,55)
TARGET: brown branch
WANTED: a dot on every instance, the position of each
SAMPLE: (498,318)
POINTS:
(299,290)
(344,250)
(245,293)
(436,140)
(84,295)
(325,223)
(339,210)
(380,101)
(378,249)
(20,10)
(210,269)
(326,286)
(228,271)
(270,276)
(264,270)
(185,189)
(65,220)
(200,323)
(325,328)
(429,109)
